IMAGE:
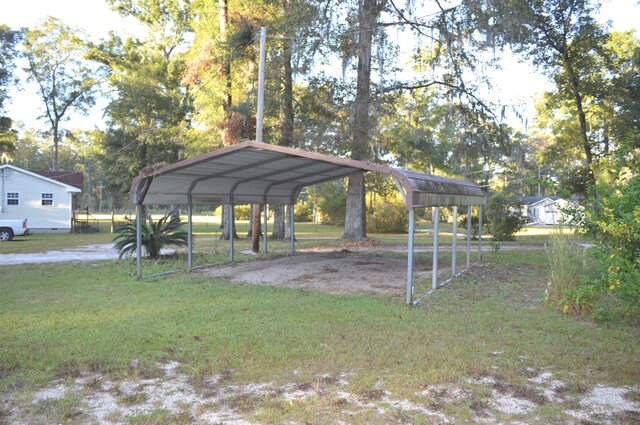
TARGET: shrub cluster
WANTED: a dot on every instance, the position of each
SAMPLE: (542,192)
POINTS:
(606,279)
(389,216)
(614,225)
(504,218)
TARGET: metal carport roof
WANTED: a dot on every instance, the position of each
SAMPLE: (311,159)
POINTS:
(252,173)
(256,173)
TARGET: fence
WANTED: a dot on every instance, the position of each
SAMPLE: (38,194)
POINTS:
(93,222)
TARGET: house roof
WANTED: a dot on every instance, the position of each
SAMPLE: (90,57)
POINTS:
(59,182)
(252,172)
(72,178)
(532,200)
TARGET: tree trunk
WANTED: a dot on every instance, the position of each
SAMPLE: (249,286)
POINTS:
(278,222)
(280,228)
(355,220)
(56,143)
(226,223)
(228,137)
(252,214)
(355,223)
(286,108)
(287,226)
(584,136)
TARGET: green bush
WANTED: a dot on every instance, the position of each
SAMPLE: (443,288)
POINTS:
(332,202)
(504,218)
(462,222)
(155,236)
(303,212)
(389,216)
(242,212)
(614,225)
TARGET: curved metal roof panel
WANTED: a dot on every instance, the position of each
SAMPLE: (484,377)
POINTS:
(252,172)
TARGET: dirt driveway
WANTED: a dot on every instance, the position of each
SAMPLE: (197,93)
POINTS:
(81,253)
(331,272)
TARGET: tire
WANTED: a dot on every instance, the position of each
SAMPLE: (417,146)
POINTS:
(6,234)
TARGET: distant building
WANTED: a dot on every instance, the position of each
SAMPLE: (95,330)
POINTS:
(543,210)
(46,198)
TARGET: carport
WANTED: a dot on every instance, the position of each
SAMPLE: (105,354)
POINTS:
(258,173)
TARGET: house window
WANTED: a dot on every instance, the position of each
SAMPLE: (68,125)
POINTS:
(13,198)
(47,199)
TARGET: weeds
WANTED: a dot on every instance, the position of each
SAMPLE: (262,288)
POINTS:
(566,260)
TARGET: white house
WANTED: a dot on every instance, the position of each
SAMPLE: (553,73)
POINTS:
(544,210)
(46,199)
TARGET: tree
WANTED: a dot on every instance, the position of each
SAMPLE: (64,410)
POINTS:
(8,53)
(355,220)
(66,82)
(563,38)
(611,111)
(149,118)
(219,66)
(8,40)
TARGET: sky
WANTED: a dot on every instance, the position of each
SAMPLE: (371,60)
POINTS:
(517,83)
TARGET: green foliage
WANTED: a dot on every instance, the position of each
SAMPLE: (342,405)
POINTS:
(155,236)
(148,117)
(303,212)
(614,224)
(389,216)
(504,218)
(610,286)
(8,53)
(241,212)
(332,202)
(564,289)
(462,222)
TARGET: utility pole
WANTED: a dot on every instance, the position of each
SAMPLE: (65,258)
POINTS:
(538,181)
(255,216)
(100,187)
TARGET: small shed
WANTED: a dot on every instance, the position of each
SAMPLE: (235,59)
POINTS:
(258,173)
(45,199)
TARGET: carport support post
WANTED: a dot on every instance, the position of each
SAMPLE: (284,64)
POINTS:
(412,224)
(454,242)
(190,231)
(469,236)
(293,239)
(264,227)
(436,229)
(479,232)
(139,241)
(232,229)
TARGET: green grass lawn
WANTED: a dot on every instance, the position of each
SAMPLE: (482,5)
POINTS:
(58,321)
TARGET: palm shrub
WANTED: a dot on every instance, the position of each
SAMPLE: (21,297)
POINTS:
(155,236)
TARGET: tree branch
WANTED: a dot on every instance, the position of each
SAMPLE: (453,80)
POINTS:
(457,88)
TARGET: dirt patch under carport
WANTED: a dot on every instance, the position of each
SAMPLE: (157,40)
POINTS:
(343,272)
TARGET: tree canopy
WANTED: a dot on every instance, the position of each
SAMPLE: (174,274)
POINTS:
(403,83)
